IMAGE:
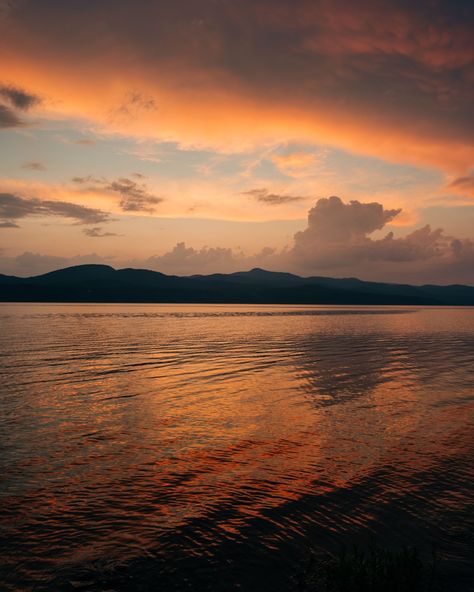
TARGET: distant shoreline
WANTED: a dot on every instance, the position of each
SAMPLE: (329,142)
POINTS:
(101,284)
(243,304)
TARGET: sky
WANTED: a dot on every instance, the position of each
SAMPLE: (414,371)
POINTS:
(320,137)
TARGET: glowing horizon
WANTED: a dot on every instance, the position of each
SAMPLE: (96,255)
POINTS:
(128,130)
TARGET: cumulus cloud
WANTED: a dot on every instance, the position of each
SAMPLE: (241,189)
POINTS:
(184,260)
(337,240)
(272,199)
(180,260)
(14,207)
(134,196)
(182,257)
(333,221)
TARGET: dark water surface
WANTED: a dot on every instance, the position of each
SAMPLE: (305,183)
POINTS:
(208,447)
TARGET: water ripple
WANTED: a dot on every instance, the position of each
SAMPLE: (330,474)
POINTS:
(205,448)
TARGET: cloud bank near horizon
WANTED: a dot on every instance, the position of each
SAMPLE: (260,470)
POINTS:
(336,242)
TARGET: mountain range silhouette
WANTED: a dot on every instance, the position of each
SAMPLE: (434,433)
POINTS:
(102,283)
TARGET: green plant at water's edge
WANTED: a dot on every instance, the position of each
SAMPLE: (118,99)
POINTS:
(375,569)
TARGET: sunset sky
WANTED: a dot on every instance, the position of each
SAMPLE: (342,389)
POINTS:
(198,136)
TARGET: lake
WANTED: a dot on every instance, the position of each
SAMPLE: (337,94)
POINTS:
(179,447)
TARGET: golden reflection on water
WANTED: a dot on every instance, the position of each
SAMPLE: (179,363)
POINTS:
(161,433)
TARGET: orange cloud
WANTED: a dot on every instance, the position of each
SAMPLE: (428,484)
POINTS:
(299,163)
(463,185)
(318,72)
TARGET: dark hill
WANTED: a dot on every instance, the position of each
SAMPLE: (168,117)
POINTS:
(102,283)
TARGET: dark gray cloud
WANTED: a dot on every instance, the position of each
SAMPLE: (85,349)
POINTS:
(396,63)
(8,118)
(97,232)
(134,196)
(14,207)
(33,165)
(18,98)
(273,199)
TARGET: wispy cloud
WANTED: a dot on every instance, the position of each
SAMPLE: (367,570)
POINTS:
(272,199)
(464,185)
(14,207)
(134,195)
(97,232)
(33,165)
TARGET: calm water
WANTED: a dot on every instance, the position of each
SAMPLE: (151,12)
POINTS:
(209,447)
